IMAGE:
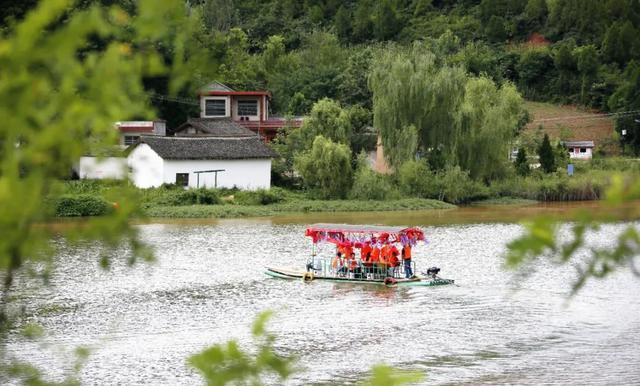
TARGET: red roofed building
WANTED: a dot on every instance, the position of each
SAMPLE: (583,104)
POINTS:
(130,131)
(247,108)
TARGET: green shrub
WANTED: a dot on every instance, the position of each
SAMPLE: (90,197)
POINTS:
(260,196)
(369,185)
(455,186)
(89,186)
(177,197)
(416,180)
(81,205)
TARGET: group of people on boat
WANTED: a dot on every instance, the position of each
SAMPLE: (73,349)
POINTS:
(375,260)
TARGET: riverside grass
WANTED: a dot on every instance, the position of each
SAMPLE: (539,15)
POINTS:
(299,206)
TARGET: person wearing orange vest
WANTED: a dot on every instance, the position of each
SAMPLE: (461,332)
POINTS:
(406,258)
(385,254)
(393,260)
(365,252)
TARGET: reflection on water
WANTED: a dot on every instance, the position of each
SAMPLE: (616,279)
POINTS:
(207,285)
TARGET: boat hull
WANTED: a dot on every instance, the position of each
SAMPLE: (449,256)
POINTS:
(285,273)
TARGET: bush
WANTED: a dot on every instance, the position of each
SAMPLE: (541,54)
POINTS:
(416,180)
(455,186)
(81,205)
(177,197)
(369,185)
(260,196)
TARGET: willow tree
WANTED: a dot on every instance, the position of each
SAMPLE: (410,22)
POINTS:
(489,119)
(415,102)
(326,168)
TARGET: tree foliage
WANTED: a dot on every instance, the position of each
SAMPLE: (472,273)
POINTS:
(490,117)
(326,168)
(416,102)
(547,156)
(541,240)
(522,163)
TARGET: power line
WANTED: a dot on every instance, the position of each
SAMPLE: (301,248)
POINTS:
(589,117)
(166,98)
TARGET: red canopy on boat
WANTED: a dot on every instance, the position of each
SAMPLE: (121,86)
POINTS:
(356,235)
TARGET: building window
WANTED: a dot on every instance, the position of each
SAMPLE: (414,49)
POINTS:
(130,139)
(182,179)
(583,150)
(215,107)
(247,107)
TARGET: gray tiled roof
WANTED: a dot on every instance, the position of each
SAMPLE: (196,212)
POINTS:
(195,148)
(578,143)
(215,127)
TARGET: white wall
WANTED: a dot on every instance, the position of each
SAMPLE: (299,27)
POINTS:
(245,174)
(146,167)
(577,155)
(99,168)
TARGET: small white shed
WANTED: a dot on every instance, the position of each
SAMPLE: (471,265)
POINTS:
(201,161)
(580,149)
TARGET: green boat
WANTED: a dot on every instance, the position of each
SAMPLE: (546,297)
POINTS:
(379,263)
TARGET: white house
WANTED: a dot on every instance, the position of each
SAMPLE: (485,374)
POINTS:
(96,168)
(580,149)
(204,153)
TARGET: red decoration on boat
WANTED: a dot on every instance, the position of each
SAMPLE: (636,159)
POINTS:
(344,235)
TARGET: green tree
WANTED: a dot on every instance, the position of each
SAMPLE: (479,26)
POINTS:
(219,15)
(416,103)
(342,23)
(522,163)
(547,156)
(352,87)
(489,123)
(328,119)
(566,66)
(326,168)
(496,30)
(386,21)
(362,21)
(536,13)
(59,96)
(588,63)
(535,71)
(627,98)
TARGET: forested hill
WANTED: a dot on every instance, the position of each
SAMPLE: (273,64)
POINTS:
(582,52)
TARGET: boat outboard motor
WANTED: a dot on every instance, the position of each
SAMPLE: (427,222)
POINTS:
(433,272)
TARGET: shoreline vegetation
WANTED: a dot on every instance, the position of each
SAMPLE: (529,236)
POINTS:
(84,198)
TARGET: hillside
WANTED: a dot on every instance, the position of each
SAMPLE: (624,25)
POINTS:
(569,122)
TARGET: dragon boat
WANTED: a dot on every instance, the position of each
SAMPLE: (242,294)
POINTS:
(363,268)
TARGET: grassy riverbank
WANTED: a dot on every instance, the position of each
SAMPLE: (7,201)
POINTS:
(92,198)
(297,206)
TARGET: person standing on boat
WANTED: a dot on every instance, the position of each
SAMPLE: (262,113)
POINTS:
(338,264)
(393,261)
(406,258)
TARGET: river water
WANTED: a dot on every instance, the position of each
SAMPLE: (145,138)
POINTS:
(207,285)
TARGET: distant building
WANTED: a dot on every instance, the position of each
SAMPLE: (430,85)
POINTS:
(130,131)
(579,149)
(208,153)
(249,109)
